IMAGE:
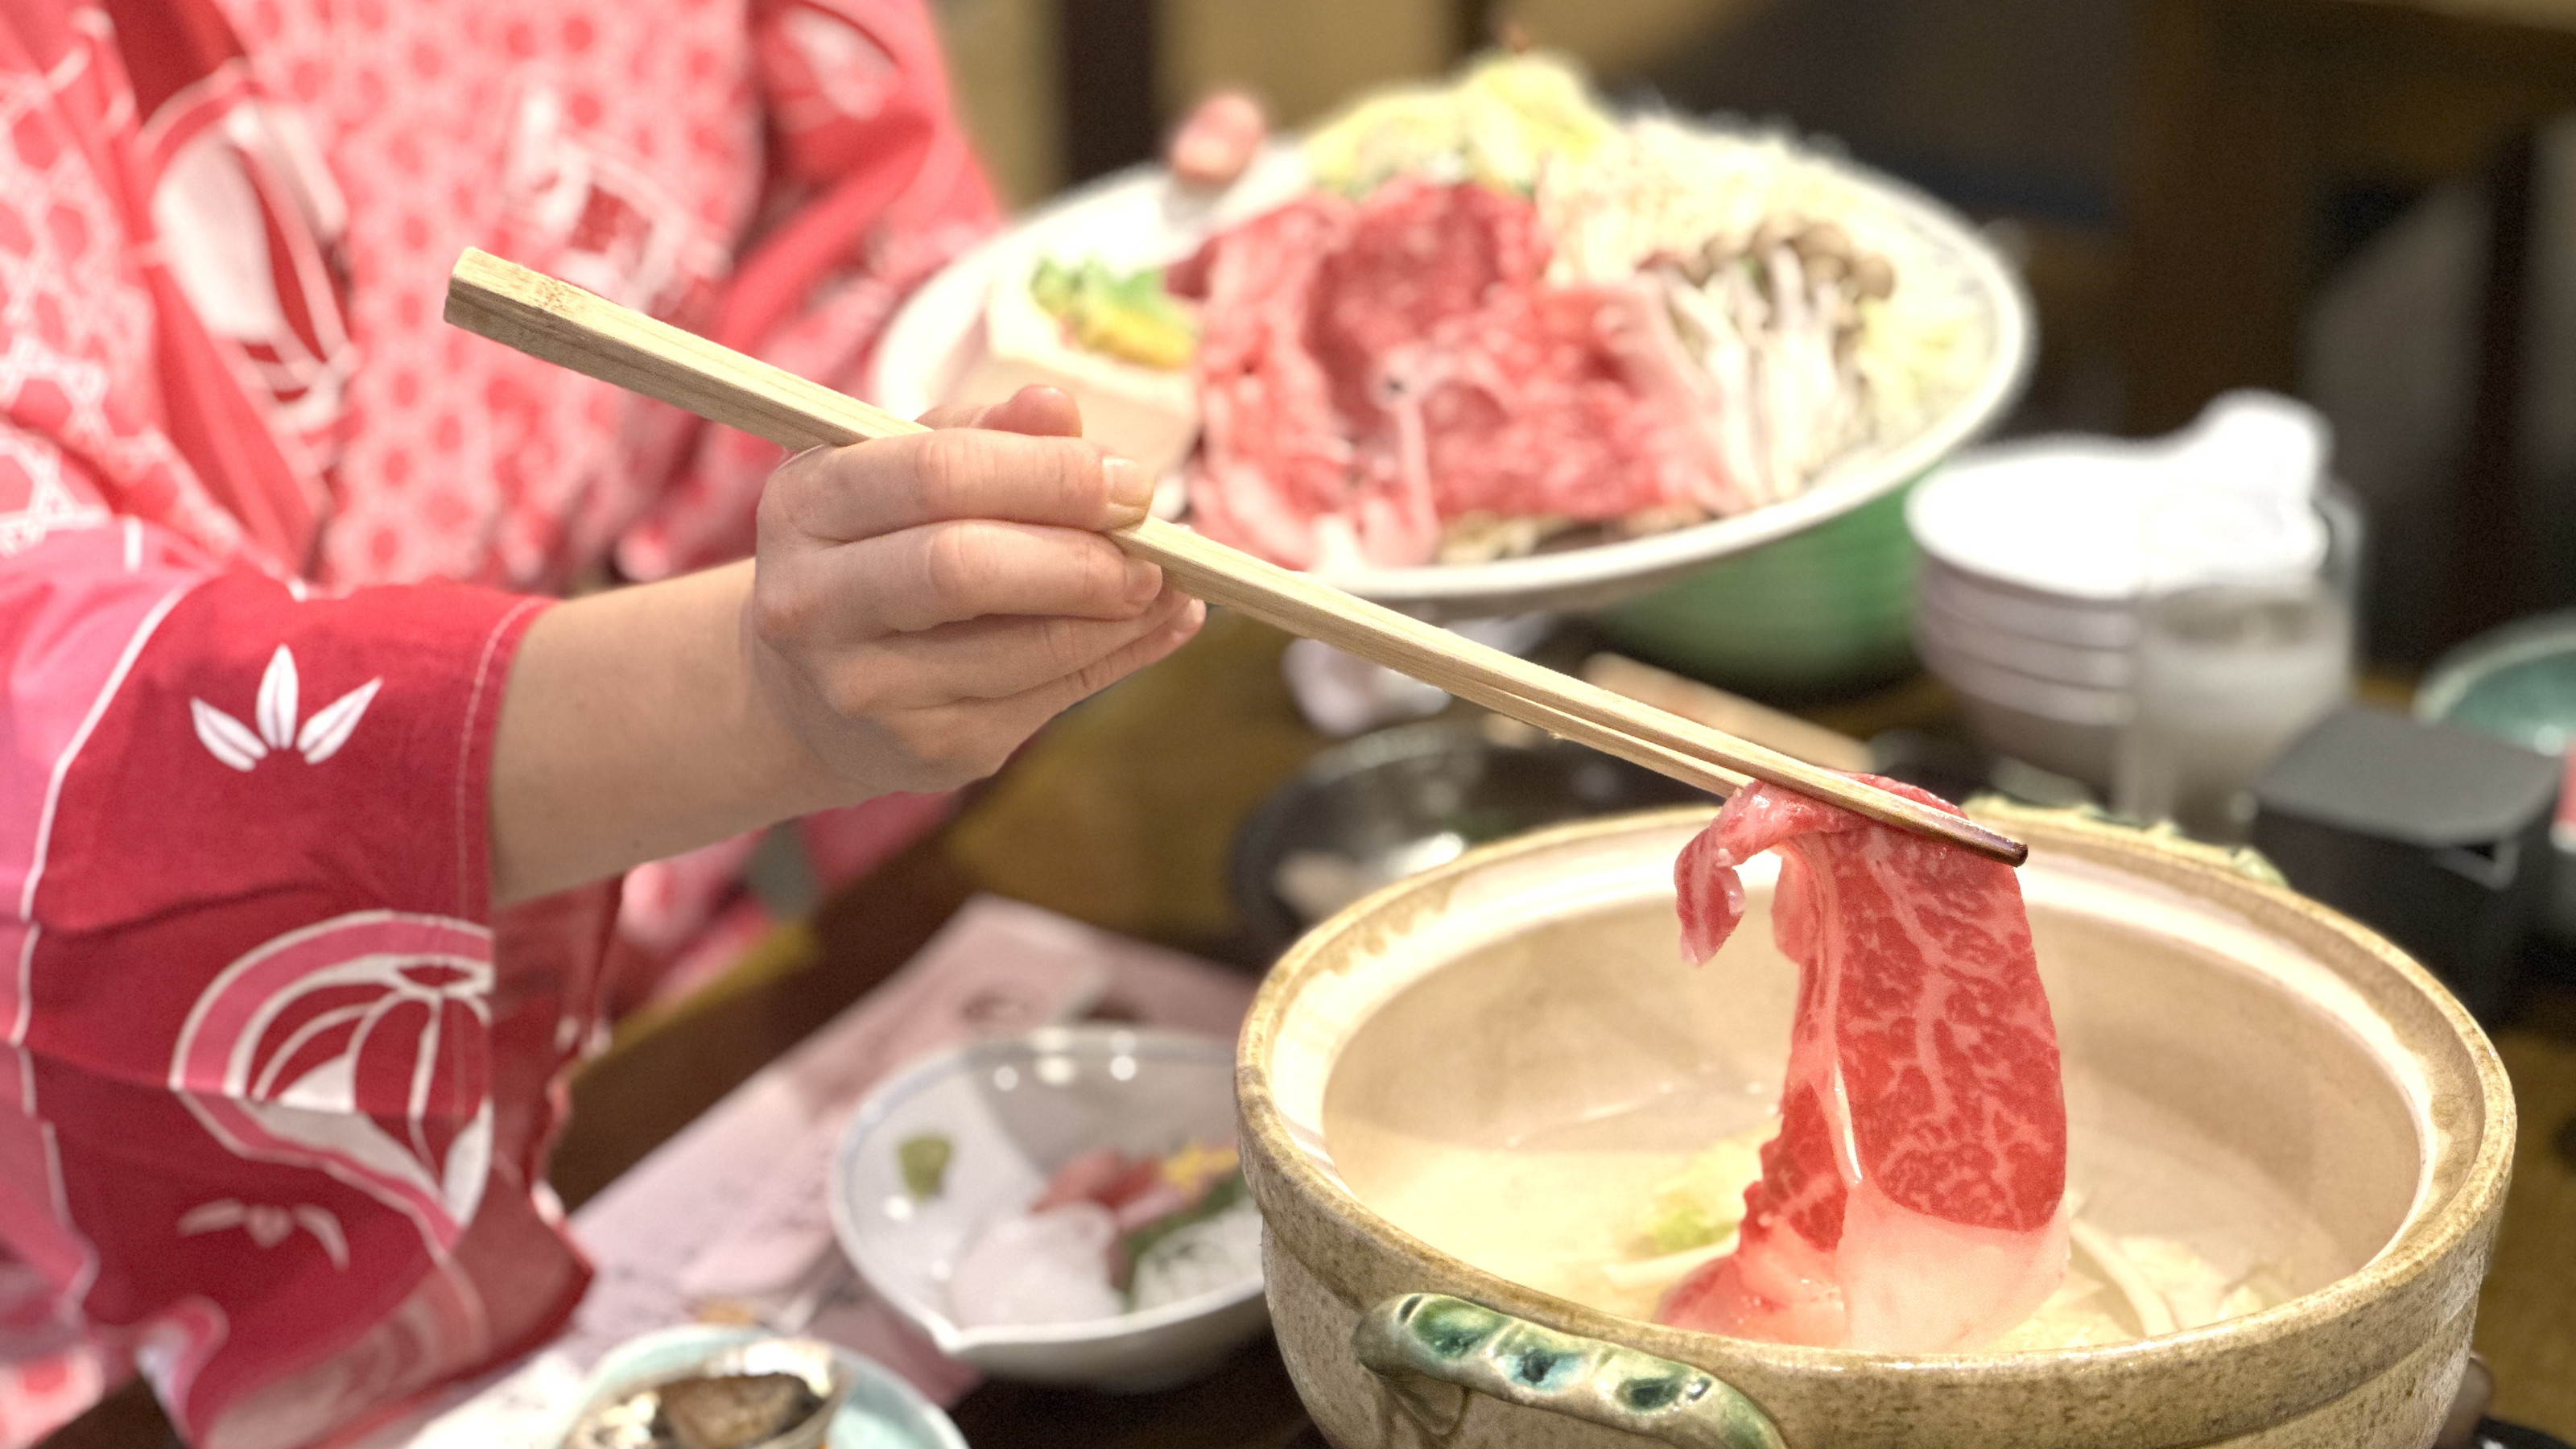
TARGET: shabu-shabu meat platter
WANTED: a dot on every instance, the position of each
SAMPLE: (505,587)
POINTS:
(1489,347)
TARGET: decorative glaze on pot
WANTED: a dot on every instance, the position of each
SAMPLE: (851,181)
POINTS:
(1433,1351)
(2289,1038)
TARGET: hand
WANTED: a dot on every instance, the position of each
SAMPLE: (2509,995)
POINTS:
(923,604)
(918,607)
(1217,140)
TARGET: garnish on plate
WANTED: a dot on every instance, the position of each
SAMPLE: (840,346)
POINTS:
(1114,1233)
(924,1161)
(1126,315)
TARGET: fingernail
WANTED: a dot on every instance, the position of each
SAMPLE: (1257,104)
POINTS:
(1144,580)
(1130,491)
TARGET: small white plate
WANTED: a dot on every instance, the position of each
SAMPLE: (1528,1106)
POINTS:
(1012,1111)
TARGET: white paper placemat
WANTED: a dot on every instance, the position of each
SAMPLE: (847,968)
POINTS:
(729,1214)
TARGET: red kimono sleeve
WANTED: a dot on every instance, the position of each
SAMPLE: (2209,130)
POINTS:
(275,1088)
(275,1105)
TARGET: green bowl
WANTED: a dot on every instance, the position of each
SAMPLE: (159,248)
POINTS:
(2518,684)
(1819,612)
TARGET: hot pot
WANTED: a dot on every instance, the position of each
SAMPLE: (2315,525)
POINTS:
(2244,1068)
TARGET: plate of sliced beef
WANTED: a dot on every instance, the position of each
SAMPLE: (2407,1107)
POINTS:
(1488,346)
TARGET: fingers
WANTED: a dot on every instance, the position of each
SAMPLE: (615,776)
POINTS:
(1009,721)
(923,603)
(997,659)
(837,495)
(1035,707)
(1218,139)
(946,573)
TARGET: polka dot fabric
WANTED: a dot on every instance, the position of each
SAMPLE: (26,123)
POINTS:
(621,145)
(628,146)
(225,232)
(76,325)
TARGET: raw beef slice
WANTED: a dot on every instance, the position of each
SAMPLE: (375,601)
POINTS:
(1272,458)
(1912,1201)
(1370,372)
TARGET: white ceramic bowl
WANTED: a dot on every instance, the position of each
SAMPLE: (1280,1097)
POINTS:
(2014,611)
(1012,1110)
(2057,517)
(2057,705)
(1139,219)
(2066,728)
(2026,592)
(2077,664)
(1990,605)
(2088,753)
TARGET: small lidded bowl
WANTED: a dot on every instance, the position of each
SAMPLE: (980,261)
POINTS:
(942,1153)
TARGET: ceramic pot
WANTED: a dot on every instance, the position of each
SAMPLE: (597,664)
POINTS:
(2246,1071)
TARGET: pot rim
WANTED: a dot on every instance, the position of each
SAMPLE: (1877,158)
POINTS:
(2435,1224)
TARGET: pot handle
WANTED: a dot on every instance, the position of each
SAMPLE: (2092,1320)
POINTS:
(1431,1350)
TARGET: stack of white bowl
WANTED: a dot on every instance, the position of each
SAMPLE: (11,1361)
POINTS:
(2026,596)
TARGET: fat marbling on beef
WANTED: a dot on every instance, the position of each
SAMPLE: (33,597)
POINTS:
(1913,1199)
(1369,371)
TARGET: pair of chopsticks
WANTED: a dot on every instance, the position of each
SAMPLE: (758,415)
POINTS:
(563,324)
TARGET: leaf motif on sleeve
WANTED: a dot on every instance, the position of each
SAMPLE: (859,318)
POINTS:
(324,1225)
(212,1217)
(330,725)
(277,701)
(226,738)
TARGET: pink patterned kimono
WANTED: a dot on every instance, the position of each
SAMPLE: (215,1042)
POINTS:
(278,1084)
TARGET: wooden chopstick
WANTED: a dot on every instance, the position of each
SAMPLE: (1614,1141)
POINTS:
(563,324)
(1730,713)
